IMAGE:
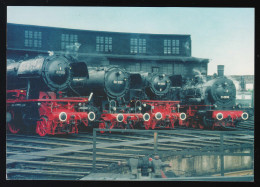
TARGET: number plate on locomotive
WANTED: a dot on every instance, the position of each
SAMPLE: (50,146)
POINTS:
(224,97)
(118,82)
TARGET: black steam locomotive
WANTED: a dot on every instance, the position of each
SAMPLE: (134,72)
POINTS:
(52,73)
(212,103)
(34,96)
(58,94)
(219,92)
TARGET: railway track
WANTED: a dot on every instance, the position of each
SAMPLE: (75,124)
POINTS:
(247,125)
(31,157)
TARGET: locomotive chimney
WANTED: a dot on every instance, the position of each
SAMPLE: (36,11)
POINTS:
(220,70)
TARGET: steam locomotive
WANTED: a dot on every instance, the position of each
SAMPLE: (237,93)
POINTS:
(34,96)
(212,103)
(57,95)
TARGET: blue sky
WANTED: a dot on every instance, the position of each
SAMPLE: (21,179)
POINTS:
(223,35)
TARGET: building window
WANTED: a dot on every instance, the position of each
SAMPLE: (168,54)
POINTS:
(103,44)
(146,67)
(179,69)
(32,39)
(137,45)
(166,68)
(69,42)
(132,67)
(171,47)
(155,69)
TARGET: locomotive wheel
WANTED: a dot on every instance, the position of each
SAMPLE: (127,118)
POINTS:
(172,124)
(200,124)
(41,127)
(190,123)
(13,128)
(121,126)
(12,124)
(147,126)
(102,125)
(130,126)
(207,124)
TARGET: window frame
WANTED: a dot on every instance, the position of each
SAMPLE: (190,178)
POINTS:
(32,38)
(138,46)
(104,44)
(171,46)
(68,39)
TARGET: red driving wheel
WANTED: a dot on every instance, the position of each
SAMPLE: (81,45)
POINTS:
(102,125)
(11,124)
(41,127)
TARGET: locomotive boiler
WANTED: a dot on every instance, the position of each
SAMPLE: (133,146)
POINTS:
(52,73)
(219,92)
(157,85)
(149,85)
(112,82)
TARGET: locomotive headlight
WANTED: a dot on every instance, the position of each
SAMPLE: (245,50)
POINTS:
(245,116)
(215,106)
(219,116)
(114,108)
(139,108)
(120,117)
(183,116)
(158,115)
(146,117)
(62,116)
(144,105)
(91,116)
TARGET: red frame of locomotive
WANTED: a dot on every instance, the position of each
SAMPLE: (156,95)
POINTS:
(51,112)
(59,116)
(218,118)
